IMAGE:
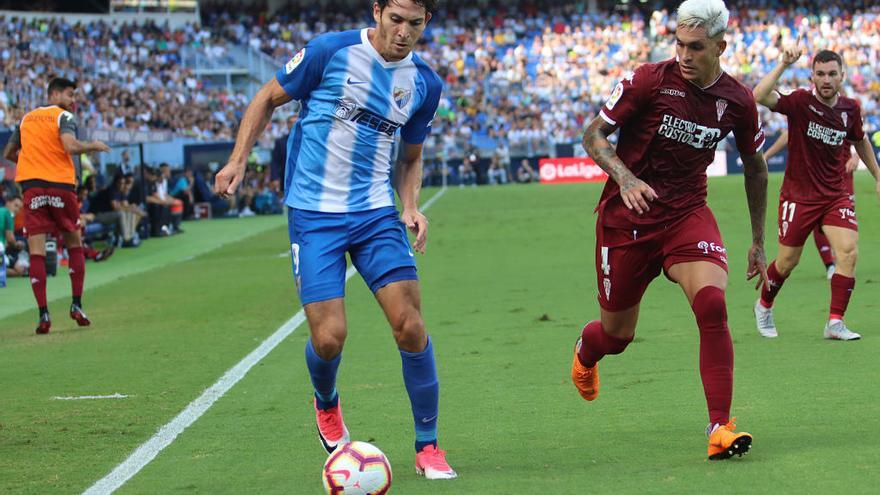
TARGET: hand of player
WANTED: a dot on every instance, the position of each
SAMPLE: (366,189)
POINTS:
(636,194)
(418,225)
(100,147)
(791,54)
(852,164)
(227,180)
(758,266)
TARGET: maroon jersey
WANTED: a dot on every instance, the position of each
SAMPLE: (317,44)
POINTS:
(669,129)
(817,145)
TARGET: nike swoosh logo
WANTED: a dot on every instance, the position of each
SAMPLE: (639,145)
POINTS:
(354,83)
(428,420)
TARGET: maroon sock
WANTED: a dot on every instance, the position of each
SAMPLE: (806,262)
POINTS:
(89,253)
(716,352)
(38,278)
(595,343)
(776,281)
(841,291)
(76,265)
(823,246)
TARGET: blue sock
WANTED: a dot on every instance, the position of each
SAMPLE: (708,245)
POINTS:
(420,377)
(323,375)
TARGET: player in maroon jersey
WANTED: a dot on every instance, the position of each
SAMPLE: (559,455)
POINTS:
(814,190)
(653,215)
(819,238)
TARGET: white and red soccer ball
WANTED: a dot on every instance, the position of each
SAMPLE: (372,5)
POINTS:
(357,468)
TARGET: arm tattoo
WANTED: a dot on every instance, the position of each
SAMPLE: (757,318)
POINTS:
(755,171)
(600,150)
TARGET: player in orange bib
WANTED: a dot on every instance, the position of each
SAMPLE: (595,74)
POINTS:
(42,146)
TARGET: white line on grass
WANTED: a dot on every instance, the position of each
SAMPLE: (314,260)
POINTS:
(166,434)
(117,395)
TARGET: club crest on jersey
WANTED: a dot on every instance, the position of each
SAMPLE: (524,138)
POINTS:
(720,107)
(401,96)
(295,61)
(843,116)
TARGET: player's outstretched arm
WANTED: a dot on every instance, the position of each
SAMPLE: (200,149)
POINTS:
(764,92)
(409,185)
(256,117)
(777,146)
(635,193)
(755,173)
(73,146)
(866,153)
(13,146)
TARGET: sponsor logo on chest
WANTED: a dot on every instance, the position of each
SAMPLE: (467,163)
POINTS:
(690,133)
(826,135)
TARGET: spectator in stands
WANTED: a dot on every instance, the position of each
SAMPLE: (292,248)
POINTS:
(525,172)
(497,173)
(183,190)
(467,174)
(111,209)
(92,229)
(163,191)
(157,204)
(279,156)
(13,249)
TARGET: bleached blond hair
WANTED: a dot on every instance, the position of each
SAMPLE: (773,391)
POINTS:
(709,14)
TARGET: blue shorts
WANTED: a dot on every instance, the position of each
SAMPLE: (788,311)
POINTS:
(375,240)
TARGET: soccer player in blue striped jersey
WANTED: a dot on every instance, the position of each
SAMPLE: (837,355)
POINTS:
(360,91)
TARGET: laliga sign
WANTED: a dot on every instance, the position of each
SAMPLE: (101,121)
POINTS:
(562,170)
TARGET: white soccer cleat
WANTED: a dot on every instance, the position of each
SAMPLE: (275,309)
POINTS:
(836,330)
(764,319)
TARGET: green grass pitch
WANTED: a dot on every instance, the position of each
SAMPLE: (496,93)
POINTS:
(508,281)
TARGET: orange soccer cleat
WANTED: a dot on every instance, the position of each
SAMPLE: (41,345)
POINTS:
(725,443)
(585,379)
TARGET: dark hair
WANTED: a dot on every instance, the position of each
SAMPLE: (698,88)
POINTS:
(827,56)
(60,84)
(429,5)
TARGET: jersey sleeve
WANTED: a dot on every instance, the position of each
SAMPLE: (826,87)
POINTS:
(67,123)
(787,101)
(418,126)
(856,133)
(628,97)
(748,132)
(304,71)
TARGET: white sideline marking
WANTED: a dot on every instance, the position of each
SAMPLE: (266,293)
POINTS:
(117,395)
(148,450)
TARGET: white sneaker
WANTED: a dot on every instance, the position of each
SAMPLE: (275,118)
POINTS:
(764,319)
(830,271)
(836,330)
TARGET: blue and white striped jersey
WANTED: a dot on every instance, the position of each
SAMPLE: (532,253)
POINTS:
(353,104)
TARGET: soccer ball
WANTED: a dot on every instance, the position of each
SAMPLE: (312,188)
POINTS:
(357,468)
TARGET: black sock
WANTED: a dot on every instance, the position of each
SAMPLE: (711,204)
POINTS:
(77,301)
(44,311)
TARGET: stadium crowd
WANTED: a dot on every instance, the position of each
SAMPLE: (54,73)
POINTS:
(519,79)
(523,77)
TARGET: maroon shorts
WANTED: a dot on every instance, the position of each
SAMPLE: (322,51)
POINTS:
(50,209)
(628,259)
(797,220)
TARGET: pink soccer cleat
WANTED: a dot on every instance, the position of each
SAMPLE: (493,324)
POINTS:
(431,463)
(331,429)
